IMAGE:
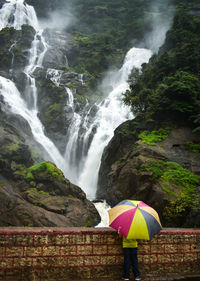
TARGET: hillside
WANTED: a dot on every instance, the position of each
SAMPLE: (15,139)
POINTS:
(75,82)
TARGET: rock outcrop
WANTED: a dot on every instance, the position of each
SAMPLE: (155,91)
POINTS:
(37,194)
(130,170)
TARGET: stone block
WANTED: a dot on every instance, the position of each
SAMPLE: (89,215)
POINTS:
(195,247)
(22,262)
(40,240)
(92,260)
(6,240)
(93,238)
(41,262)
(62,239)
(149,259)
(52,239)
(77,238)
(164,258)
(163,239)
(111,239)
(119,259)
(171,248)
(100,249)
(58,261)
(84,250)
(179,239)
(183,248)
(68,250)
(157,248)
(189,257)
(108,260)
(32,251)
(51,251)
(144,249)
(14,251)
(177,258)
(6,263)
(23,240)
(75,261)
(115,249)
(190,238)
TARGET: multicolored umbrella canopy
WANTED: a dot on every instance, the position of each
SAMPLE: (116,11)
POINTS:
(134,220)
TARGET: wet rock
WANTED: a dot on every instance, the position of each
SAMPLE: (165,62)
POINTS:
(122,175)
(37,195)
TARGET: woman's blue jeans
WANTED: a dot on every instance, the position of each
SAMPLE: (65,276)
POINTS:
(130,259)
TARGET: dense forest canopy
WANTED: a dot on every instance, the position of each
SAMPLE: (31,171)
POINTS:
(169,88)
(105,30)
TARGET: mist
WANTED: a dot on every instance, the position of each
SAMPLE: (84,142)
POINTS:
(59,19)
(161,14)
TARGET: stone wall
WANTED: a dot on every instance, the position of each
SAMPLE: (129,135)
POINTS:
(74,253)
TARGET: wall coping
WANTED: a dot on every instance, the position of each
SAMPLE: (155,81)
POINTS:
(67,230)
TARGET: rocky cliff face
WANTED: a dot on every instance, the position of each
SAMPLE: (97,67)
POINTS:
(37,195)
(131,169)
(42,197)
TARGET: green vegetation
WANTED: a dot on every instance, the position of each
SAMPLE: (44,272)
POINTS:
(169,87)
(151,138)
(193,147)
(176,212)
(47,167)
(172,172)
(178,183)
(103,30)
(35,190)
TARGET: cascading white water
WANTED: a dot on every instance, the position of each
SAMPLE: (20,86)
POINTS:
(17,105)
(15,14)
(112,112)
(72,137)
(54,75)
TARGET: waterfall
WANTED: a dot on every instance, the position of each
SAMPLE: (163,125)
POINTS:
(13,100)
(15,14)
(91,129)
(71,169)
(112,112)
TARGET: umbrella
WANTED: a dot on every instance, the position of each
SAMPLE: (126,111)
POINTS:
(134,220)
